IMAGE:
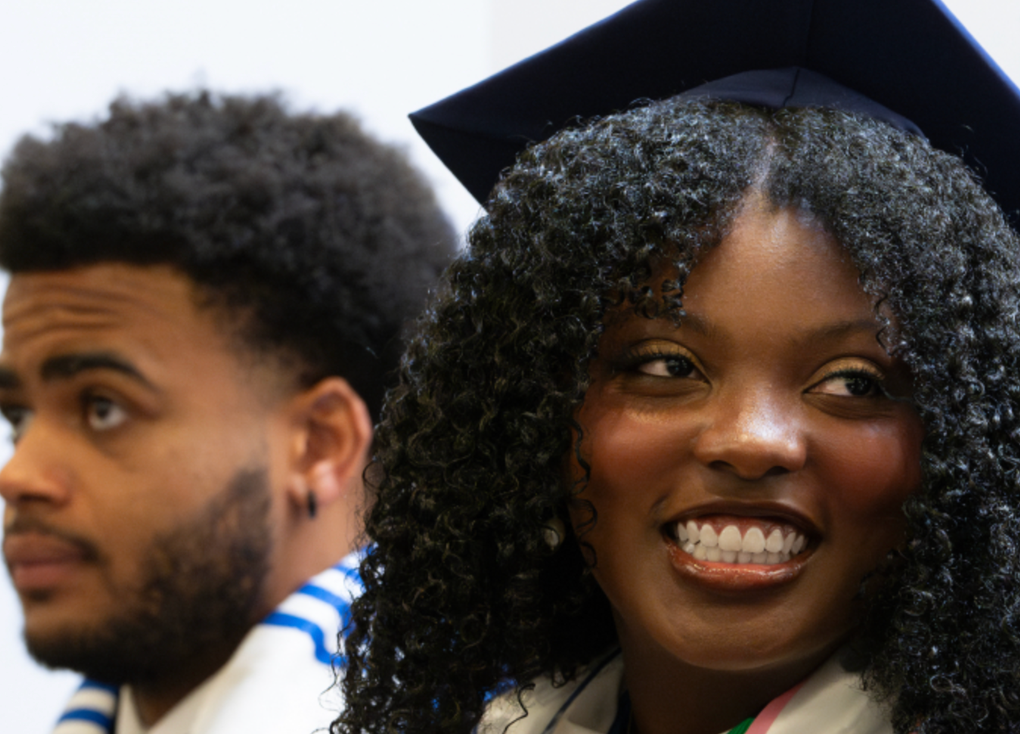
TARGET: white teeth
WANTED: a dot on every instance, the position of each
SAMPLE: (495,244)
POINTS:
(692,531)
(788,542)
(727,545)
(729,539)
(754,541)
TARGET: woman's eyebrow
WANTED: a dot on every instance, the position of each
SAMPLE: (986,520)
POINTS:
(66,366)
(823,332)
(697,323)
(840,329)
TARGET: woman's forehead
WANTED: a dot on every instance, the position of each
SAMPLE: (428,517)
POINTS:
(775,278)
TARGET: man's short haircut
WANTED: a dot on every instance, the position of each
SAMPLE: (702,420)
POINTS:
(319,241)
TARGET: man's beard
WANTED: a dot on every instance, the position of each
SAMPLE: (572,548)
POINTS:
(201,584)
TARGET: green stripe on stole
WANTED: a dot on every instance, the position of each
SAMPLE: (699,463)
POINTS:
(741,727)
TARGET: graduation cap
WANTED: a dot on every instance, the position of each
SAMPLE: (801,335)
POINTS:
(908,62)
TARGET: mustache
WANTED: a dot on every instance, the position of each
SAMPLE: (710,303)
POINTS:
(23,525)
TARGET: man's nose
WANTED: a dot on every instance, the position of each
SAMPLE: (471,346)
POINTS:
(35,471)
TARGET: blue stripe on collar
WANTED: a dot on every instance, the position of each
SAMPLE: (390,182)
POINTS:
(91,710)
(342,606)
(278,619)
(90,715)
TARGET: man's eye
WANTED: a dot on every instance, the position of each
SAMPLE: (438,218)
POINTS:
(19,419)
(671,366)
(103,414)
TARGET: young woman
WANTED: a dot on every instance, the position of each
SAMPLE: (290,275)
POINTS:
(713,427)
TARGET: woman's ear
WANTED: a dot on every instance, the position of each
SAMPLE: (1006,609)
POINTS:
(332,435)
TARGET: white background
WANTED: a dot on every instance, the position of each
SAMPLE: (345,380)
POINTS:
(66,59)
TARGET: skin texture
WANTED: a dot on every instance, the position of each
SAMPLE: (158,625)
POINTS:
(746,410)
(143,436)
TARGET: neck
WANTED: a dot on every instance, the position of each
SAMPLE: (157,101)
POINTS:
(314,544)
(154,699)
(668,697)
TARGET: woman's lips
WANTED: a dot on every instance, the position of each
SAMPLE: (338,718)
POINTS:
(733,552)
(39,562)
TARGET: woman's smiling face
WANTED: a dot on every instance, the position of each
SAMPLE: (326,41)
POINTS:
(749,467)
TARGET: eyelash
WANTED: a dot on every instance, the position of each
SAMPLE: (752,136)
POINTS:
(632,361)
(876,379)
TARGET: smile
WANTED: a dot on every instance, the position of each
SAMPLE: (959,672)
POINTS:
(743,541)
(738,553)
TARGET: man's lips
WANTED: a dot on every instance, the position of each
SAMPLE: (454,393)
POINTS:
(38,561)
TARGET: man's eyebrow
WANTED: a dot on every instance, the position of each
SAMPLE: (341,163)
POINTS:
(66,366)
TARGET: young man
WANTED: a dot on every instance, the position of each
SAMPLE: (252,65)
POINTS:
(206,297)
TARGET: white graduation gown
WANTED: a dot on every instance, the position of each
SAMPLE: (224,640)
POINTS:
(830,701)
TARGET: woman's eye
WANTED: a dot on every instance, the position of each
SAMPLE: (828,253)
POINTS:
(18,418)
(102,414)
(672,366)
(851,384)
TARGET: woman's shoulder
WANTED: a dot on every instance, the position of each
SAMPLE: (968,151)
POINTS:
(588,703)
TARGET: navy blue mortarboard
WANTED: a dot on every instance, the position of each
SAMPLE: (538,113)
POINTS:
(908,62)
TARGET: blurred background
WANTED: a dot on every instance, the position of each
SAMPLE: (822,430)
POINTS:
(62,60)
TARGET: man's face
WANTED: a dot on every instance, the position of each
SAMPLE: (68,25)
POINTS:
(138,526)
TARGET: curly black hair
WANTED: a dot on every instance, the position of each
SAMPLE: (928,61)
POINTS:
(324,240)
(462,596)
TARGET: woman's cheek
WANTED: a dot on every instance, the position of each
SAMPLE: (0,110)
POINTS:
(867,487)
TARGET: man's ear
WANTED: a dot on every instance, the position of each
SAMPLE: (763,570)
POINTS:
(332,434)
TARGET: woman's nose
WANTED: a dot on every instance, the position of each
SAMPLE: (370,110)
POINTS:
(752,434)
